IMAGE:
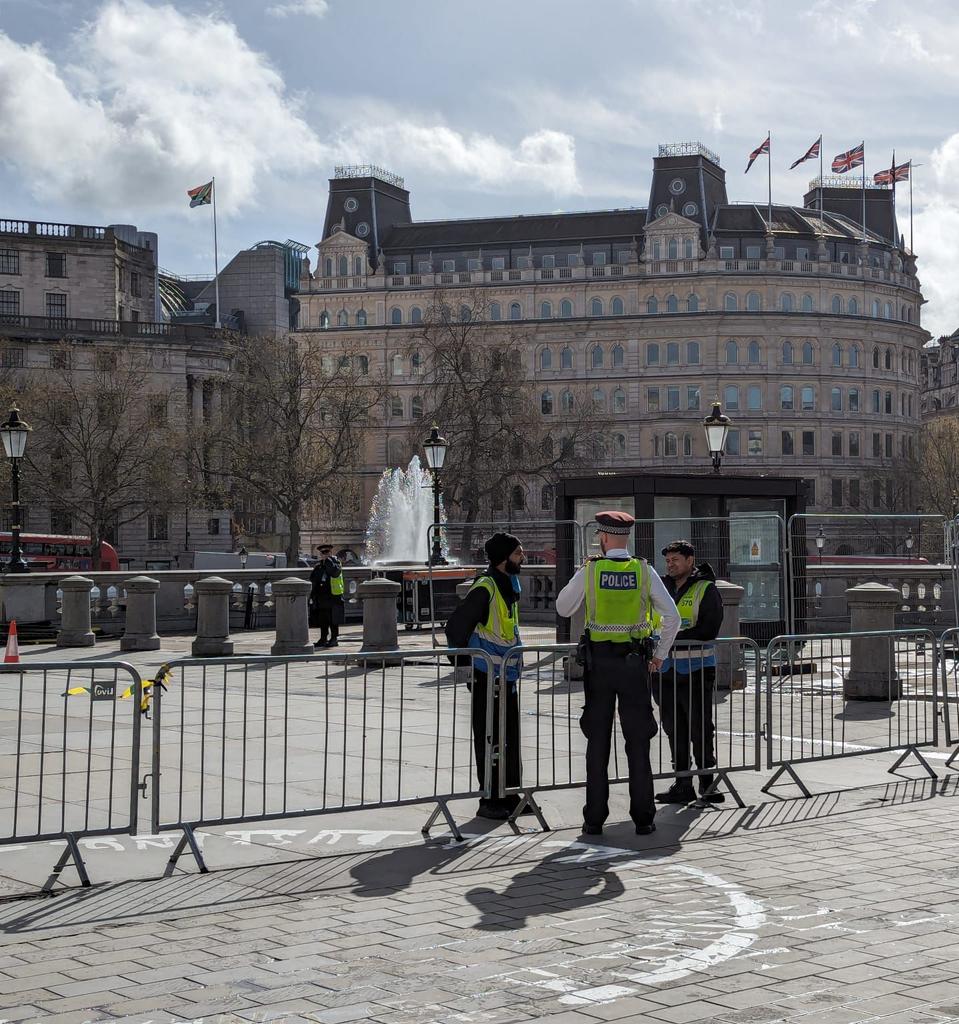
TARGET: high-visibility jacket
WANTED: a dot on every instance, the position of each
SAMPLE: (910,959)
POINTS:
(618,603)
(499,632)
(690,659)
(336,585)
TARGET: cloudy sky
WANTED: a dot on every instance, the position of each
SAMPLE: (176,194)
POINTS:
(110,110)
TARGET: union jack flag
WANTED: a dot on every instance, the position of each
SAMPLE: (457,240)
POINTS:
(898,172)
(758,151)
(850,159)
(810,153)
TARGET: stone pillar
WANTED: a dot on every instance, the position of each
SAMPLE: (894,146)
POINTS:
(75,628)
(730,670)
(872,661)
(212,618)
(291,601)
(140,633)
(379,616)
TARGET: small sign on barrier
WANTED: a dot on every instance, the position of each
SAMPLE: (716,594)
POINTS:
(106,690)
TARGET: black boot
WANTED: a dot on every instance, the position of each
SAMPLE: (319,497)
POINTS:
(680,792)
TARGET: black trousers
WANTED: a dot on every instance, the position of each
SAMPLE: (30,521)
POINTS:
(612,679)
(686,711)
(510,755)
(326,620)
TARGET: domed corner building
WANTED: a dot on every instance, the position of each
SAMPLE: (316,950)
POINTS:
(806,327)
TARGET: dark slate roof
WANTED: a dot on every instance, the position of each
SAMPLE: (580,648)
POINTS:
(493,232)
(750,218)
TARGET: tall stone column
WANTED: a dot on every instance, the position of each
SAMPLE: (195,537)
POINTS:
(291,600)
(213,618)
(872,661)
(730,671)
(379,616)
(75,629)
(140,633)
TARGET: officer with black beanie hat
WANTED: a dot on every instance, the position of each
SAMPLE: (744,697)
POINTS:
(493,603)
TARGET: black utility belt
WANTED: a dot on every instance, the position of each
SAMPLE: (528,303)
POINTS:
(587,649)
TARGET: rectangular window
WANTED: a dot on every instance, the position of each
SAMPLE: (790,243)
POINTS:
(9,303)
(624,256)
(789,446)
(755,443)
(399,267)
(802,253)
(876,445)
(424,267)
(808,399)
(652,399)
(158,527)
(213,526)
(854,399)
(854,450)
(727,252)
(672,399)
(9,261)
(449,266)
(56,264)
(11,357)
(752,252)
(779,252)
(498,263)
(134,284)
(836,496)
(474,264)
(888,446)
(732,443)
(524,262)
(56,304)
(837,442)
(876,493)
(754,398)
(693,398)
(549,262)
(672,353)
(854,493)
(809,442)
(599,259)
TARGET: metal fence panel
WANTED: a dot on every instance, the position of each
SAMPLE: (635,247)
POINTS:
(949,663)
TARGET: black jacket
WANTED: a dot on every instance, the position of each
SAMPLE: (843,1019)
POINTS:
(321,595)
(710,619)
(474,609)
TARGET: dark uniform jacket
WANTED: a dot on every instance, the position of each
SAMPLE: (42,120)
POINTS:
(321,596)
(710,619)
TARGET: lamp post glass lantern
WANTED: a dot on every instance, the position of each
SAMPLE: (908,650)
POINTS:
(14,433)
(717,425)
(435,448)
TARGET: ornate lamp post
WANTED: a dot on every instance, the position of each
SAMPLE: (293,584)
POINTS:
(820,543)
(717,425)
(435,448)
(14,433)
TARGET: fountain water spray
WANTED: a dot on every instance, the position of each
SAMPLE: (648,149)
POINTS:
(401,515)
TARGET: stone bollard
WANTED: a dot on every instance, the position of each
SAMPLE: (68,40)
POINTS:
(291,601)
(872,659)
(75,628)
(213,618)
(379,617)
(730,667)
(140,632)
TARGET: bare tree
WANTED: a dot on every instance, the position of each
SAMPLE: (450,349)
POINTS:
(476,388)
(295,424)
(935,469)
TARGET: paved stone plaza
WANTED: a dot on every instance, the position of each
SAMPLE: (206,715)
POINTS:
(839,908)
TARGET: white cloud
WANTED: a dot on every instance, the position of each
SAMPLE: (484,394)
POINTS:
(309,8)
(937,236)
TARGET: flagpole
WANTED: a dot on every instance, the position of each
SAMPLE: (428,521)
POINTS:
(822,215)
(769,177)
(910,209)
(895,226)
(216,261)
(864,192)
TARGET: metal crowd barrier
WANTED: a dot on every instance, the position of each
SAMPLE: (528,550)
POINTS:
(552,748)
(821,706)
(266,738)
(949,665)
(71,752)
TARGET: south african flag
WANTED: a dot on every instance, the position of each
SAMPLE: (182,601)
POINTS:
(202,195)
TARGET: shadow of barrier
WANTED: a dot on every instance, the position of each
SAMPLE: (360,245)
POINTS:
(706,727)
(838,695)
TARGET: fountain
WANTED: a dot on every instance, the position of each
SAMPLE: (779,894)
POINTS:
(400,517)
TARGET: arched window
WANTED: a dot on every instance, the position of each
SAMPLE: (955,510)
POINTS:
(786,302)
(875,358)
(363,364)
(887,361)
(853,307)
(515,311)
(357,265)
(787,353)
(688,249)
(672,304)
(670,446)
(566,308)
(692,303)
(566,358)
(837,303)
(567,402)
(396,365)
(396,407)
(752,353)
(786,397)
(807,353)
(517,499)
(692,353)
(887,403)
(616,307)
(875,307)
(652,354)
(546,359)
(342,318)
(547,500)
(835,399)
(619,400)
(854,357)
(837,355)
(416,315)
(546,403)
(876,400)
(731,398)
(545,310)
(807,306)
(394,450)
(416,407)
(672,249)
(619,445)
(328,267)
(753,303)
(657,250)
(396,315)
(730,302)
(344,266)
(597,357)
(495,311)
(324,320)
(903,312)
(672,353)
(415,363)
(361,318)
(754,398)
(732,352)
(619,356)
(687,445)
(595,307)
(652,306)
(599,398)
(808,396)
(887,310)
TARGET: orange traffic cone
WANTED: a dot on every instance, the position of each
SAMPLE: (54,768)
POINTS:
(12,651)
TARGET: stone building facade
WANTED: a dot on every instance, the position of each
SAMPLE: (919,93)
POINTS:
(806,327)
(940,378)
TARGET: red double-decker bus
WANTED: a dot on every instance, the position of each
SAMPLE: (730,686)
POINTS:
(51,552)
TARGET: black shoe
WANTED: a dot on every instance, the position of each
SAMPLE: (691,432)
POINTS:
(333,643)
(712,798)
(592,830)
(678,793)
(491,811)
(320,643)
(645,830)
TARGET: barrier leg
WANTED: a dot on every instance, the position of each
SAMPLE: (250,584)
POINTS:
(70,852)
(439,809)
(952,757)
(787,769)
(713,787)
(922,761)
(526,800)
(188,839)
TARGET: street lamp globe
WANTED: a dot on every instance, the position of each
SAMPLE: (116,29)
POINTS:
(435,447)
(716,425)
(14,432)
(244,555)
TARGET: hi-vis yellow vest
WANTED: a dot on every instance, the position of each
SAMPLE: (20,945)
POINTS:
(618,605)
(336,585)
(500,631)
(690,658)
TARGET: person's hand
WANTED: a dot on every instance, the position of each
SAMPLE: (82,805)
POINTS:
(655,664)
